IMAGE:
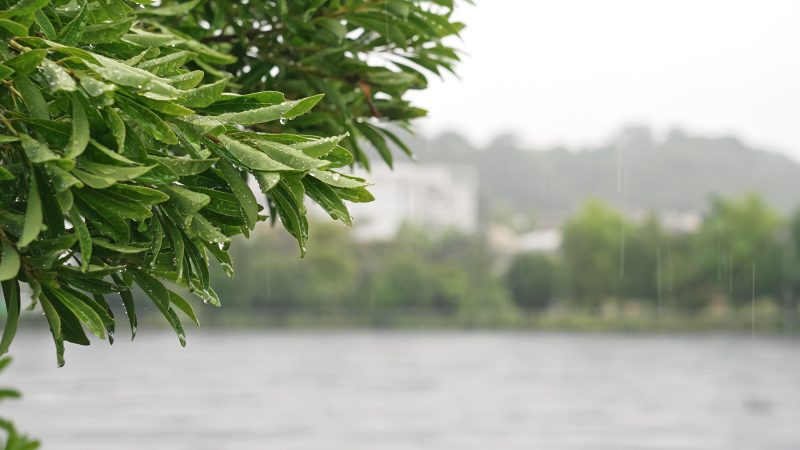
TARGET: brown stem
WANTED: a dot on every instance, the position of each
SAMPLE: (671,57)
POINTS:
(367,90)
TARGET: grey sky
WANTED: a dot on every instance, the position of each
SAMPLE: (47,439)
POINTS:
(575,71)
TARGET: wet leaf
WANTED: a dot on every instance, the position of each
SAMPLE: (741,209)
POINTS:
(9,262)
(33,215)
(80,130)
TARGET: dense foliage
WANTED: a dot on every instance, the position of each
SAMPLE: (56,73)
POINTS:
(423,277)
(364,55)
(125,154)
(742,251)
(418,275)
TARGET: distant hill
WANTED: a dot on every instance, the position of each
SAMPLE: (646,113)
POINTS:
(677,174)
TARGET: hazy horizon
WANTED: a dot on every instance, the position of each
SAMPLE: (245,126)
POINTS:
(656,64)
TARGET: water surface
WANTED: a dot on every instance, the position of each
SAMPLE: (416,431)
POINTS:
(428,391)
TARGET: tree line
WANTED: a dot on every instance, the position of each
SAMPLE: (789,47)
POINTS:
(742,251)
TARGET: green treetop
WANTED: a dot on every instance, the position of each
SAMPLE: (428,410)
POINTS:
(128,133)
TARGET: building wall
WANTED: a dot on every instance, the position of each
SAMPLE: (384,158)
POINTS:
(436,196)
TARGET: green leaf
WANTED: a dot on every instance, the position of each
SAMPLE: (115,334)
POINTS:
(284,154)
(177,9)
(71,328)
(80,130)
(102,153)
(32,96)
(4,362)
(286,110)
(9,262)
(115,9)
(5,174)
(14,28)
(221,202)
(57,78)
(184,166)
(333,26)
(106,32)
(26,62)
(319,147)
(249,157)
(203,229)
(126,249)
(398,142)
(106,222)
(73,31)
(377,141)
(267,180)
(291,213)
(65,199)
(94,180)
(5,72)
(33,215)
(23,8)
(140,194)
(166,107)
(110,172)
(37,151)
(167,64)
(130,311)
(186,201)
(302,106)
(327,198)
(12,297)
(205,95)
(161,298)
(184,306)
(115,203)
(61,179)
(186,80)
(95,88)
(54,321)
(356,195)
(338,179)
(148,121)
(84,238)
(125,75)
(244,195)
(85,313)
(229,103)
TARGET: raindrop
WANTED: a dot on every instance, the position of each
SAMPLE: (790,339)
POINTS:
(753,302)
(658,280)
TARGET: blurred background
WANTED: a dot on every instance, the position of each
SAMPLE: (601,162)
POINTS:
(597,247)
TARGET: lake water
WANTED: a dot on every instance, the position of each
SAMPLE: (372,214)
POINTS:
(393,390)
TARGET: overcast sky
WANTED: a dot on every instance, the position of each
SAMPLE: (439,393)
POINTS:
(575,71)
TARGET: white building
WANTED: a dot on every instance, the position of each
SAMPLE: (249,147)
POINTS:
(436,196)
(505,241)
